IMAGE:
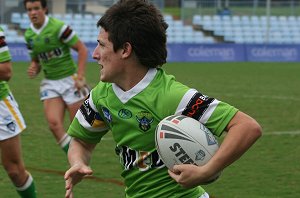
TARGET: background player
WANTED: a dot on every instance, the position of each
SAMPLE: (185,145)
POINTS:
(134,95)
(49,42)
(11,125)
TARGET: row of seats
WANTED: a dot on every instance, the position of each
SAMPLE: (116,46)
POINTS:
(85,26)
(251,29)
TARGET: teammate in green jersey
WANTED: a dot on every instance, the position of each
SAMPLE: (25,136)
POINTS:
(49,42)
(11,125)
(133,95)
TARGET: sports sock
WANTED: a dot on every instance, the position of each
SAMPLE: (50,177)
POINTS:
(64,142)
(28,189)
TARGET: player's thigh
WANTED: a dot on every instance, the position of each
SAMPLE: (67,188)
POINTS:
(73,108)
(54,109)
(11,152)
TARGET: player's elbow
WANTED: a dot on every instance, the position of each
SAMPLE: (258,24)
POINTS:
(256,130)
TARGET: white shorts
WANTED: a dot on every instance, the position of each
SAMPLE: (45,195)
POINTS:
(205,195)
(11,120)
(64,88)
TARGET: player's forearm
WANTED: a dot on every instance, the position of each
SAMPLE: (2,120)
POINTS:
(5,71)
(241,136)
(79,152)
(82,59)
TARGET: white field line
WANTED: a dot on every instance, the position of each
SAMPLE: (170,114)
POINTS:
(282,133)
(262,96)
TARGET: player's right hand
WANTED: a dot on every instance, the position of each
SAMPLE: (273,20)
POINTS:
(33,70)
(73,176)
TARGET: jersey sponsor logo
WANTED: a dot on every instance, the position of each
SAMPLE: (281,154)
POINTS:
(197,106)
(142,160)
(46,56)
(125,114)
(107,114)
(92,117)
(145,119)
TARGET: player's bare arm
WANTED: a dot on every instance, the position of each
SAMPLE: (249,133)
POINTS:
(243,131)
(79,155)
(82,58)
(33,69)
(5,70)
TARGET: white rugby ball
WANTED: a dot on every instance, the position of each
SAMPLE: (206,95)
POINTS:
(183,140)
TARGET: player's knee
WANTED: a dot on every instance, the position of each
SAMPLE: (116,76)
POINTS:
(16,174)
(54,125)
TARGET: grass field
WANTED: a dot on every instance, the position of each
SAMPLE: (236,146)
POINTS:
(267,91)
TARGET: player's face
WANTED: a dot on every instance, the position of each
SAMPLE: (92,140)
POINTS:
(109,61)
(36,13)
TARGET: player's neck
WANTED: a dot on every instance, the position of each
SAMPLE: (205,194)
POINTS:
(132,78)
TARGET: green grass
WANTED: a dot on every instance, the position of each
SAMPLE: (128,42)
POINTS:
(267,91)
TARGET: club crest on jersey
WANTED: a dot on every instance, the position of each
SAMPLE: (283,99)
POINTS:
(47,40)
(125,114)
(145,119)
(107,114)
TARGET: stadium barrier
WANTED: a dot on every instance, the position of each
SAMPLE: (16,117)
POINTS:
(204,53)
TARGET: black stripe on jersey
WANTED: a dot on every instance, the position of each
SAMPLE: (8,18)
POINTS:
(197,106)
(88,113)
(66,33)
(2,41)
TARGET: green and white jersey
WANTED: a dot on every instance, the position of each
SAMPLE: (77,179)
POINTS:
(132,117)
(4,56)
(51,45)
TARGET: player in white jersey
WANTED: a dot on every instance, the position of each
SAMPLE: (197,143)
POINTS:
(133,95)
(11,125)
(49,42)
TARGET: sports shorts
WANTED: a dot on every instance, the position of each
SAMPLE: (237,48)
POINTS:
(11,120)
(205,195)
(64,88)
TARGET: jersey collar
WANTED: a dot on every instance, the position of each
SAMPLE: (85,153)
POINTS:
(38,31)
(125,96)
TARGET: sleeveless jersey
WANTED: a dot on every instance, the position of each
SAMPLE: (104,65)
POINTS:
(51,45)
(4,56)
(132,117)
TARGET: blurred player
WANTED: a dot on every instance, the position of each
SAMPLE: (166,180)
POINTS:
(11,125)
(134,95)
(49,42)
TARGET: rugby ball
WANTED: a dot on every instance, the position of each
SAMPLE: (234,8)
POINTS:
(183,140)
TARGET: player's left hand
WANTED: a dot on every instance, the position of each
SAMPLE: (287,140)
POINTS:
(189,175)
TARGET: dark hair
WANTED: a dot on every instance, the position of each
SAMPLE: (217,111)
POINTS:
(43,2)
(142,25)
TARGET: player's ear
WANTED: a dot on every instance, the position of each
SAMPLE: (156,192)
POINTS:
(127,50)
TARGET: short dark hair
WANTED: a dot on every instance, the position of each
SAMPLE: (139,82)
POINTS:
(43,2)
(141,24)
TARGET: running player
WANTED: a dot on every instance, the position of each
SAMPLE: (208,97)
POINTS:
(49,42)
(11,125)
(134,95)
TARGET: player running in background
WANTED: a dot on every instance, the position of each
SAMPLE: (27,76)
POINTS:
(49,42)
(11,125)
(134,94)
